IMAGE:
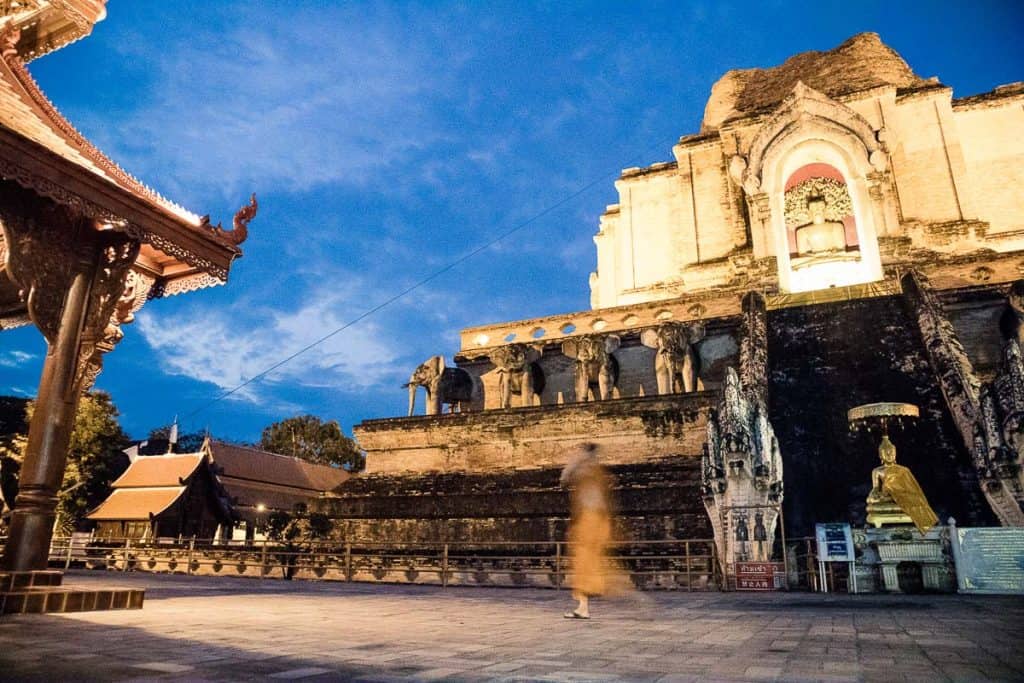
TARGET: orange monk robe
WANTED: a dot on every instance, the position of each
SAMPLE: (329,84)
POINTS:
(590,531)
(899,482)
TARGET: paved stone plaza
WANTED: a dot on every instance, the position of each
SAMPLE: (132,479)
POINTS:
(196,628)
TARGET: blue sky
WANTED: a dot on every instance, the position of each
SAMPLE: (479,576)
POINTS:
(387,140)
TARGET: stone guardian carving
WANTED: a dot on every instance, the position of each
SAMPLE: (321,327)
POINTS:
(596,370)
(453,386)
(741,473)
(518,372)
(676,362)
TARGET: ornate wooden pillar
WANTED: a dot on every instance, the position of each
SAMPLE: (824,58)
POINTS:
(71,275)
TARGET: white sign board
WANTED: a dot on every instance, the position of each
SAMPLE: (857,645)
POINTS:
(835,542)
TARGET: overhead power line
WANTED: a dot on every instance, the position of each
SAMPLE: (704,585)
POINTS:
(408,290)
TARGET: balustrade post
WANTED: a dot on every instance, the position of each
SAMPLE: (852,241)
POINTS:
(263,559)
(558,565)
(127,547)
(348,562)
(67,559)
(689,580)
(191,548)
(444,566)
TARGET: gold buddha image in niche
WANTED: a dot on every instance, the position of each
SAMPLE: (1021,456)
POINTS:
(818,210)
(896,497)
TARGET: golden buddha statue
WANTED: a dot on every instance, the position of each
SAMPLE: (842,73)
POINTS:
(896,497)
(820,236)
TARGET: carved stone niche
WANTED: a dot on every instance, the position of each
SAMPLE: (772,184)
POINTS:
(809,129)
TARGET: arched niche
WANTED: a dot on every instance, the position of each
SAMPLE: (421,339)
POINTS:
(858,260)
(809,134)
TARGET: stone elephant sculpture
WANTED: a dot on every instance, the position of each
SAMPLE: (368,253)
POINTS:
(453,386)
(596,367)
(518,372)
(676,362)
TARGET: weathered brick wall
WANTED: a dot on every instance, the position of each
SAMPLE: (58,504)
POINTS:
(630,430)
(657,499)
(995,160)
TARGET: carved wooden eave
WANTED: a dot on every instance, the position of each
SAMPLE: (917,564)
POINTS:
(47,25)
(41,151)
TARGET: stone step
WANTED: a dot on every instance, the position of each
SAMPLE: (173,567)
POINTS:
(65,599)
(15,581)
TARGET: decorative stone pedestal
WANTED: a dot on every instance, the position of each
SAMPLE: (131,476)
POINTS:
(41,591)
(884,553)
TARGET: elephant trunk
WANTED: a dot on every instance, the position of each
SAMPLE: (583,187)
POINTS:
(412,397)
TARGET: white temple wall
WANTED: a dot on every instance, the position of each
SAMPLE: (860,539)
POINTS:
(659,249)
(666,219)
(713,212)
(603,284)
(949,164)
(992,139)
(925,169)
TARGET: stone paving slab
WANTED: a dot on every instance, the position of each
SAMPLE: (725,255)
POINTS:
(233,629)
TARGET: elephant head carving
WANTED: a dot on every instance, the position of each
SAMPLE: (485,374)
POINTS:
(676,362)
(453,386)
(518,372)
(596,367)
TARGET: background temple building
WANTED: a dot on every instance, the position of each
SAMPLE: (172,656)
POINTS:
(223,491)
(840,231)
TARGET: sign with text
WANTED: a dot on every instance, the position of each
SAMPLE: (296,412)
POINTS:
(990,560)
(760,576)
(835,542)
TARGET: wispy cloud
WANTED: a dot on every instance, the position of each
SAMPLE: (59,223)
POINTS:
(14,359)
(227,348)
(280,104)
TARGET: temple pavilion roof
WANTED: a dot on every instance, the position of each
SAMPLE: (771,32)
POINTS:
(42,151)
(47,25)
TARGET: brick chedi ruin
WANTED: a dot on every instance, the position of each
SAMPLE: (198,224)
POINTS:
(840,231)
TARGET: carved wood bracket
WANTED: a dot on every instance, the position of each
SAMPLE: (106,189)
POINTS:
(46,246)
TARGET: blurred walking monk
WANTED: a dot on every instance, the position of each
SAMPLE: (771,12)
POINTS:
(590,529)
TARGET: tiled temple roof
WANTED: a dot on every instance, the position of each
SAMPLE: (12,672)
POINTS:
(137,503)
(248,476)
(162,470)
(256,466)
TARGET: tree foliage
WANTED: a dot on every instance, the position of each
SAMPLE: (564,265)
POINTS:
(310,438)
(297,532)
(13,434)
(95,458)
